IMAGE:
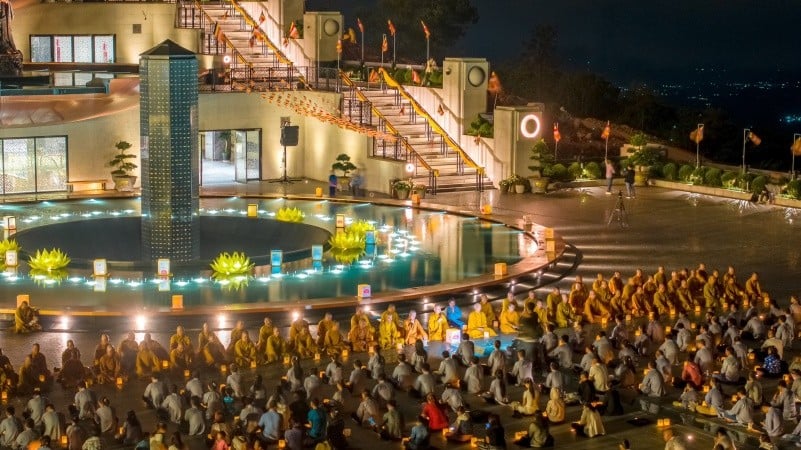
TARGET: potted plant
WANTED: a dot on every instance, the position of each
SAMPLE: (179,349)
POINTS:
(401,188)
(123,165)
(343,165)
(541,158)
(643,158)
(505,185)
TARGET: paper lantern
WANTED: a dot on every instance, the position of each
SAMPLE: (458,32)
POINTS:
(672,313)
(281,443)
(41,378)
(444,432)
(177,301)
(751,356)
(187,373)
(667,329)
(347,432)
(253,210)
(697,310)
(316,356)
(628,318)
(64,441)
(4,396)
(119,382)
(660,422)
(318,192)
(603,321)
(666,422)
(706,389)
(286,359)
(122,430)
(501,269)
(253,364)
(345,353)
(223,368)
(165,364)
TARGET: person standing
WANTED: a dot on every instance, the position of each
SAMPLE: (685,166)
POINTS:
(610,174)
(629,178)
(332,184)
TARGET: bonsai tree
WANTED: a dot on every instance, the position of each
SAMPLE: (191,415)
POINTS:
(122,162)
(541,158)
(343,164)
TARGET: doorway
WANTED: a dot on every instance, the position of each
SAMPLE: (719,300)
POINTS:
(229,156)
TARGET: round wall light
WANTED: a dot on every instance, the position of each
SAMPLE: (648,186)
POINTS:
(530,126)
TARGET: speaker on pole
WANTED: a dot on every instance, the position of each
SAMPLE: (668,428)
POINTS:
(289,135)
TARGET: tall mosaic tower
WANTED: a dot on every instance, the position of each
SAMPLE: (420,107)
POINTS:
(169,146)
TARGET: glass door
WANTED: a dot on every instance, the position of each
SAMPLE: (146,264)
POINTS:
(253,151)
(239,153)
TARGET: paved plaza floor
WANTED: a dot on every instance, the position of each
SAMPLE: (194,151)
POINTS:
(661,227)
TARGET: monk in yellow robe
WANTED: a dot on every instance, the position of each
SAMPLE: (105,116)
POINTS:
(509,319)
(394,316)
(362,336)
(212,354)
(147,363)
(413,329)
(477,325)
(244,351)
(276,347)
(564,313)
(357,317)
(304,344)
(437,325)
(388,334)
(295,329)
(109,366)
(322,329)
(180,337)
(180,359)
(594,309)
(333,342)
(265,332)
(236,335)
(489,312)
(25,319)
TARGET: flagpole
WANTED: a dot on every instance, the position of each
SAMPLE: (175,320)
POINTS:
(393,49)
(606,150)
(745,139)
(428,54)
(362,33)
(697,147)
(796,136)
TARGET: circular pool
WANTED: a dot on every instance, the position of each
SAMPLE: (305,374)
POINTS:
(419,252)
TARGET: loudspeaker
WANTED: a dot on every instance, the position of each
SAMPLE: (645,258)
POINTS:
(289,135)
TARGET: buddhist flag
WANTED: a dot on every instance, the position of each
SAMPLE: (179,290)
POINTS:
(262,18)
(556,135)
(415,77)
(339,46)
(697,135)
(293,31)
(391,27)
(384,44)
(796,147)
(440,110)
(225,14)
(218,32)
(607,131)
(756,140)
(351,35)
(494,84)
(426,31)
(373,76)
(360,25)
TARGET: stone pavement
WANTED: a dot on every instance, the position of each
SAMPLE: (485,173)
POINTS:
(663,227)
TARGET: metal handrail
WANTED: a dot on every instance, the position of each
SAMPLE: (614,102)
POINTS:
(225,39)
(391,82)
(261,35)
(348,82)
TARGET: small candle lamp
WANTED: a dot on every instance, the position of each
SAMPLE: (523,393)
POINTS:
(286,359)
(637,332)
(444,432)
(706,389)
(473,442)
(186,373)
(253,364)
(660,422)
(693,325)
(751,356)
(41,378)
(697,310)
(316,356)
(628,318)
(122,430)
(672,313)
(667,329)
(322,374)
(281,443)
(347,432)
(345,353)
(223,368)
(603,321)
(519,435)
(165,364)
(666,422)
(64,441)
(4,396)
(119,382)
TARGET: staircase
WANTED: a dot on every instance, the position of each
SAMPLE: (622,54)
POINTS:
(254,60)
(440,159)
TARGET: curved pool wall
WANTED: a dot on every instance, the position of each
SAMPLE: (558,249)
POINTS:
(428,248)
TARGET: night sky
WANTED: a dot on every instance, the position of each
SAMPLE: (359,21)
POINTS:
(636,40)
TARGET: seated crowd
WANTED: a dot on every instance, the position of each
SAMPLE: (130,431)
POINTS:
(705,340)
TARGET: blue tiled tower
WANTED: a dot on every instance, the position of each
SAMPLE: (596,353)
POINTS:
(169,146)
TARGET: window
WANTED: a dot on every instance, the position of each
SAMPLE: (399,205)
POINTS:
(33,164)
(73,48)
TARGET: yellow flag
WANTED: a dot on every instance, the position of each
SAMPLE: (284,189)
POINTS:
(796,147)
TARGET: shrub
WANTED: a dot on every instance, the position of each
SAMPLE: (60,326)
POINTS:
(698,175)
(557,172)
(794,189)
(728,179)
(592,170)
(670,171)
(759,183)
(744,181)
(574,170)
(712,177)
(655,170)
(685,172)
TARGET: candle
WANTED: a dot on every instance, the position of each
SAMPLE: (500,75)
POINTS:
(667,329)
(281,443)
(286,359)
(698,310)
(186,373)
(119,381)
(165,364)
(706,389)
(4,395)
(660,422)
(473,442)
(345,353)
(666,422)
(628,318)
(316,356)
(603,321)
(672,313)
(41,378)
(253,364)
(122,430)
(223,368)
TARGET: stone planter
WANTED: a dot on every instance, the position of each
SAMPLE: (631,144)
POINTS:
(520,188)
(124,182)
(540,185)
(403,194)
